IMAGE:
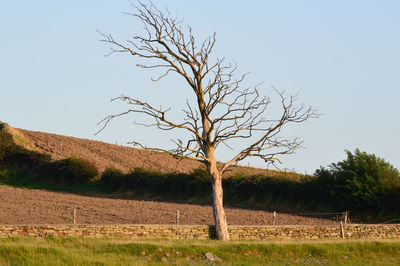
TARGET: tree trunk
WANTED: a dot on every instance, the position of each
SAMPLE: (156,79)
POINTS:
(221,226)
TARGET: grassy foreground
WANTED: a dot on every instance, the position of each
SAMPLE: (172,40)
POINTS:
(107,251)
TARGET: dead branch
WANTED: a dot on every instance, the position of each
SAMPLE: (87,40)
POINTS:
(224,111)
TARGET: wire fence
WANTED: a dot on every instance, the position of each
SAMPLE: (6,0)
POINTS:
(309,218)
(367,219)
(239,217)
(179,217)
(346,218)
(190,216)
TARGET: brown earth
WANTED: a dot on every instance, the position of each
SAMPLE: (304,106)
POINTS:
(32,206)
(105,155)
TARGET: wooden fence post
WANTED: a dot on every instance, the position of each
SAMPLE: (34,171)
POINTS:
(274,218)
(346,217)
(74,216)
(341,227)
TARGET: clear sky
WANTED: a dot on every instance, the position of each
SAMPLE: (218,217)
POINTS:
(343,57)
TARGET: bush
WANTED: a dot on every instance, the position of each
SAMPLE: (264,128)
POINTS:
(22,159)
(6,142)
(112,179)
(262,191)
(362,181)
(69,171)
(16,156)
(168,185)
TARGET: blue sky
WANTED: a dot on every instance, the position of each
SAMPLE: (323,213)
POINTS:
(342,57)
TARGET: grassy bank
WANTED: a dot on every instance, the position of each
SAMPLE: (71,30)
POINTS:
(103,251)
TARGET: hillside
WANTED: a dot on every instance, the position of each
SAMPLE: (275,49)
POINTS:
(105,155)
(157,176)
(123,203)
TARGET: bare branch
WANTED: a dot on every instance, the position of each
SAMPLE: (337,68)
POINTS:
(224,111)
(176,153)
(269,146)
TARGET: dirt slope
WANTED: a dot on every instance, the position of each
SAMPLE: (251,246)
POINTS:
(105,155)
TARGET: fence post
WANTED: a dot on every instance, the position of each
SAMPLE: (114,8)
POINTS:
(346,217)
(74,216)
(274,218)
(341,227)
(177,217)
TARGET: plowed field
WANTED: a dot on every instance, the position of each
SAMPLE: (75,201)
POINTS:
(32,206)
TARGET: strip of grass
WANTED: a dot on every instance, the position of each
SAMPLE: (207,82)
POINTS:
(106,251)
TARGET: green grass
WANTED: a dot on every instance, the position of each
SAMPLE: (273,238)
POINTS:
(114,251)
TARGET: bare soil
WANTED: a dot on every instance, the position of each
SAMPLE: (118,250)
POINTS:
(105,155)
(33,206)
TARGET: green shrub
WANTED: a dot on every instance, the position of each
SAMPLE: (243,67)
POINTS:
(6,142)
(200,183)
(21,158)
(260,190)
(16,156)
(112,179)
(169,185)
(69,171)
(362,181)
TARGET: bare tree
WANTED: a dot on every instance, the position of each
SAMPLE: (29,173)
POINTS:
(224,111)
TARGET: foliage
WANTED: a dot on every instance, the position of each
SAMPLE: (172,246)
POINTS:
(69,171)
(21,158)
(13,155)
(240,190)
(362,181)
(261,191)
(40,167)
(169,185)
(6,142)
(111,178)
